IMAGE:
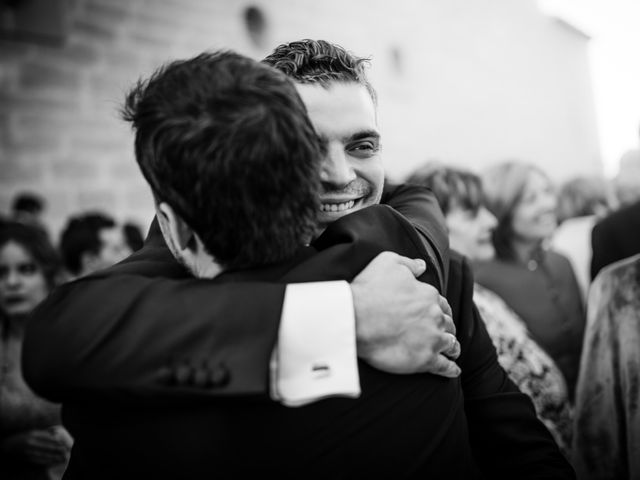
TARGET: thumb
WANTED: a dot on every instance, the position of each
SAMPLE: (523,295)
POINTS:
(416,265)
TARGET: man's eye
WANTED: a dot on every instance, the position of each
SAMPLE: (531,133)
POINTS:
(364,148)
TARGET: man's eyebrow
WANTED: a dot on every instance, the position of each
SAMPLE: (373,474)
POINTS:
(361,135)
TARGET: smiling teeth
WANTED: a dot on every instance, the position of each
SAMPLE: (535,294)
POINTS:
(337,207)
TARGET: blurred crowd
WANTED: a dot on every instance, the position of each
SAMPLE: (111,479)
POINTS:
(557,269)
(33,442)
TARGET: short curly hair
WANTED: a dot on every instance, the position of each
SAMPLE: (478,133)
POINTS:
(453,187)
(320,62)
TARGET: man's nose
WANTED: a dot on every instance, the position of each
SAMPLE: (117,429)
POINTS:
(336,171)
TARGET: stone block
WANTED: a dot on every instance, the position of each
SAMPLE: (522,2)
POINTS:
(19,168)
(37,75)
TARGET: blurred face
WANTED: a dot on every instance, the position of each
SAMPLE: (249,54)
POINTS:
(22,282)
(470,232)
(352,173)
(114,247)
(534,218)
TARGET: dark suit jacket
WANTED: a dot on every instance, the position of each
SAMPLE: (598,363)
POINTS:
(615,237)
(403,426)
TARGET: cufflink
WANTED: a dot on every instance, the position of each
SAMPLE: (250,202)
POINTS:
(320,370)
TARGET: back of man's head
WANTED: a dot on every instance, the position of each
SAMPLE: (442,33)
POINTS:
(320,62)
(81,238)
(226,142)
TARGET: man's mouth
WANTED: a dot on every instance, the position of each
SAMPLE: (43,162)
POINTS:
(337,207)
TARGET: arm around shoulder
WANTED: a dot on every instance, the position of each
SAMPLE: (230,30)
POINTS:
(135,334)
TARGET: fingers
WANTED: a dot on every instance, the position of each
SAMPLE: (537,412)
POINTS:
(417,266)
(448,345)
(62,435)
(444,305)
(46,458)
(448,325)
(44,449)
(439,317)
(454,349)
(45,441)
(444,367)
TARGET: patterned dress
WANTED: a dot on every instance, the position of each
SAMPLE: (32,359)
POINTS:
(607,421)
(528,365)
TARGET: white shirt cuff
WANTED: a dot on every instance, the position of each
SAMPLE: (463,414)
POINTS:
(316,354)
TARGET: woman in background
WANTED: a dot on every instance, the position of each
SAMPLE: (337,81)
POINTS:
(33,443)
(470,227)
(536,282)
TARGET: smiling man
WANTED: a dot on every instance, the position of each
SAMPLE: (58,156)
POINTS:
(342,105)
(353,174)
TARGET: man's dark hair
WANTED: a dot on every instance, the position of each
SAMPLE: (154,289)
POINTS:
(28,202)
(81,235)
(226,142)
(320,62)
(133,236)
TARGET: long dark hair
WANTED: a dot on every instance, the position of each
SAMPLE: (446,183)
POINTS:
(37,244)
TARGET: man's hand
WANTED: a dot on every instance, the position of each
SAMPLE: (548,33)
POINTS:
(403,325)
(45,447)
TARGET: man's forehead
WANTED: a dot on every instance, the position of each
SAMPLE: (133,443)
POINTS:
(343,109)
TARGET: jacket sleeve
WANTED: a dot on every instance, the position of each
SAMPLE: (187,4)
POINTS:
(605,250)
(420,207)
(147,332)
(507,438)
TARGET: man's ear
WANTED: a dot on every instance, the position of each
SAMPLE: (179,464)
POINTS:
(182,235)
